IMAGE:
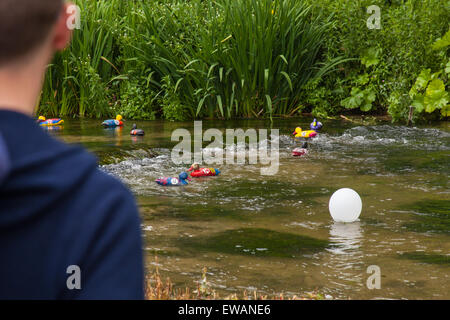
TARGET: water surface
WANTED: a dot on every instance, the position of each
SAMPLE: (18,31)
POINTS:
(274,234)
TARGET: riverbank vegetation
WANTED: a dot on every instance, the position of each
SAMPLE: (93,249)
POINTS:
(179,60)
(158,288)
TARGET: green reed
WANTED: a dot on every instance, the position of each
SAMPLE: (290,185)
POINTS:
(191,59)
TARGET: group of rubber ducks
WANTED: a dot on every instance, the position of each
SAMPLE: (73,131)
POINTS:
(204,172)
(196,172)
(111,123)
(119,122)
(299,133)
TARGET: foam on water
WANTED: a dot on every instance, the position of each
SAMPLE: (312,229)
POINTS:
(363,144)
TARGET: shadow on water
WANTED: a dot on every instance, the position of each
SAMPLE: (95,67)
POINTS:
(257,242)
(196,212)
(402,161)
(430,216)
(428,258)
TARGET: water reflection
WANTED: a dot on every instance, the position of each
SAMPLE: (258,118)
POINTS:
(137,139)
(52,129)
(346,237)
(115,133)
(345,263)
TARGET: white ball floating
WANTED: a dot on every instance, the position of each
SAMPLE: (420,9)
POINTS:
(345,205)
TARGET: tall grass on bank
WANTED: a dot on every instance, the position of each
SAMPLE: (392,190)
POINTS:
(180,59)
(229,58)
(242,58)
(79,78)
(274,50)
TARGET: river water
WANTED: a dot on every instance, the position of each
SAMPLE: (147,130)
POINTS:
(274,234)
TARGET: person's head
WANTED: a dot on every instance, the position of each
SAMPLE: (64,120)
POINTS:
(31,31)
(27,26)
(119,117)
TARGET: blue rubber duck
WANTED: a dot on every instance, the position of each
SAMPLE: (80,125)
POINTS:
(118,122)
(180,181)
(316,125)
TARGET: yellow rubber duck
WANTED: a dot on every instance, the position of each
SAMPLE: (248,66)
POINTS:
(299,133)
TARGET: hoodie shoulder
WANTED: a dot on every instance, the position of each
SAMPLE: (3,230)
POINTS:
(59,209)
(4,160)
(110,247)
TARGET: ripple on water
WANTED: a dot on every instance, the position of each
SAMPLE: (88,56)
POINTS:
(391,164)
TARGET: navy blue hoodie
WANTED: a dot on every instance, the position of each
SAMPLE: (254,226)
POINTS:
(57,209)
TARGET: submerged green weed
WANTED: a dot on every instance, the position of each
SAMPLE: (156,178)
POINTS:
(429,258)
(257,242)
(430,216)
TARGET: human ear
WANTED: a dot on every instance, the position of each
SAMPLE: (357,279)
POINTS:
(62,34)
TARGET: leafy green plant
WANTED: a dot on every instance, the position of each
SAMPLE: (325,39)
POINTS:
(173,108)
(363,94)
(137,102)
(371,57)
(316,97)
(359,98)
(428,93)
(443,42)
(392,56)
(429,90)
(398,105)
